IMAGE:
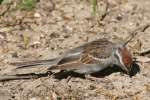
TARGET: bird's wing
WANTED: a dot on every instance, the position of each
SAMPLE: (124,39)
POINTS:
(90,54)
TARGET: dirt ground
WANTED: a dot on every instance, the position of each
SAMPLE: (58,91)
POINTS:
(55,26)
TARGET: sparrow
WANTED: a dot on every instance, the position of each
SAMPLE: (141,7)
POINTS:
(88,58)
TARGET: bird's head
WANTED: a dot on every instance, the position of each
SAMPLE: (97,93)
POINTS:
(123,58)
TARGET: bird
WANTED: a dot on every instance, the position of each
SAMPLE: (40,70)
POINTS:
(88,58)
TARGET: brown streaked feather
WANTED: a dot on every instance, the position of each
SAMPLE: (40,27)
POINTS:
(88,59)
(99,49)
(91,53)
(78,63)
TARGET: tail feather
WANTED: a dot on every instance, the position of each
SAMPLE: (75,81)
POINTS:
(14,77)
(21,76)
(50,62)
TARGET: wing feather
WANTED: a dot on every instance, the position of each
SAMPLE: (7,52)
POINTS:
(87,54)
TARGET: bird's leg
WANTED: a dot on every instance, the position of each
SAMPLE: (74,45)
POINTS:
(68,79)
(89,77)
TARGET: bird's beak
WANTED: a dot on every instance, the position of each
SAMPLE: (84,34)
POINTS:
(127,69)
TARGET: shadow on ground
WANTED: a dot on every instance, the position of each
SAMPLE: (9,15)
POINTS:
(64,74)
(135,69)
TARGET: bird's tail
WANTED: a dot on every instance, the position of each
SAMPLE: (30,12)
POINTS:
(49,62)
(22,76)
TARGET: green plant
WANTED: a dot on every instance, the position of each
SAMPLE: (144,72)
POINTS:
(1,1)
(94,5)
(27,4)
(26,40)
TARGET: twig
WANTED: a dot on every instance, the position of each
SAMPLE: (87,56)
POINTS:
(145,52)
(143,28)
(106,11)
(142,59)
(135,32)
